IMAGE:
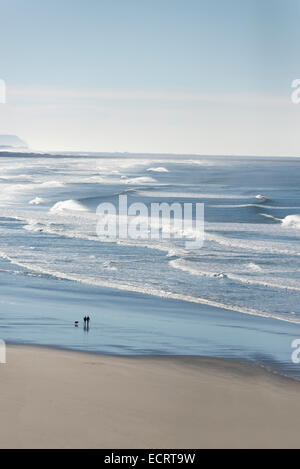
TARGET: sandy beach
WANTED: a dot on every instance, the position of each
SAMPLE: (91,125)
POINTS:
(149,226)
(62,399)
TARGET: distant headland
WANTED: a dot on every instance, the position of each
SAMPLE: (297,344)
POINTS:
(12,142)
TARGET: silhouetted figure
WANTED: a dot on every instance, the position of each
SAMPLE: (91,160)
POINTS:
(86,324)
(76,323)
(88,320)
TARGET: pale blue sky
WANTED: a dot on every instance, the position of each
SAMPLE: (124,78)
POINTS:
(181,76)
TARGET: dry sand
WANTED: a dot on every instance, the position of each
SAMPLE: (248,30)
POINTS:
(60,399)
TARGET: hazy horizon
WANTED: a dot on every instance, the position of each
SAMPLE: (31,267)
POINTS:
(198,77)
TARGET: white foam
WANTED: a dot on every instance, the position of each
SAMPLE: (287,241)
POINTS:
(251,245)
(254,267)
(109,265)
(89,234)
(34,226)
(140,180)
(189,195)
(146,290)
(68,205)
(291,221)
(38,201)
(193,269)
(267,215)
(160,169)
(50,184)
(11,192)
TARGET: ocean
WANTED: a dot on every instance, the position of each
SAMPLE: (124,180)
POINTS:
(237,297)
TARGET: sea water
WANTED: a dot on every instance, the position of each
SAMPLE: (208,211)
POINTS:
(247,271)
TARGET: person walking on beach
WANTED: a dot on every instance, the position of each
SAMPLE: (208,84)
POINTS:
(86,323)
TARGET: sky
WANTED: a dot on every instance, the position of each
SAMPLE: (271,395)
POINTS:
(152,76)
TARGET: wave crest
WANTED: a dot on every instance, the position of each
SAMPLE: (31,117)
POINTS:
(291,221)
(68,205)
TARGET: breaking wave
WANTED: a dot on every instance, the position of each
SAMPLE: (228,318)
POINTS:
(68,205)
(146,290)
(291,221)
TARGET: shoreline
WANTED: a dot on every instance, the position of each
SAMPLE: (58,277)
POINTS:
(130,324)
(238,365)
(65,399)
